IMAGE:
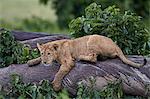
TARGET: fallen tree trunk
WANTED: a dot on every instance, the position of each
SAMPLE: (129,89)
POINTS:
(21,36)
(41,40)
(134,81)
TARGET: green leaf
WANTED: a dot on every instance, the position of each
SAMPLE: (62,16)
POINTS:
(126,29)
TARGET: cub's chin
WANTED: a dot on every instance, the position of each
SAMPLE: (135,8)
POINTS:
(46,64)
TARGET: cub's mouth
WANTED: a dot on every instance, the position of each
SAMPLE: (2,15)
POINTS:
(53,62)
(45,64)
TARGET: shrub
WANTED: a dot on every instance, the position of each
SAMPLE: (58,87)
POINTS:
(126,29)
(11,51)
(21,90)
(66,10)
(112,91)
(44,90)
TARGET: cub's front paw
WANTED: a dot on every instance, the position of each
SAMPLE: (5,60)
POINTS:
(93,60)
(56,85)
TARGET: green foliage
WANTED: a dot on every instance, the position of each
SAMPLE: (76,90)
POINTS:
(125,29)
(28,54)
(33,24)
(66,10)
(44,90)
(11,51)
(112,91)
(36,24)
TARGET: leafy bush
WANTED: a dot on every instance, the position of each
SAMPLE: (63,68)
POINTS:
(28,54)
(112,91)
(44,90)
(125,29)
(66,10)
(12,51)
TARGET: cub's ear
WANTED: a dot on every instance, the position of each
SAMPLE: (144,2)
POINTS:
(39,46)
(55,46)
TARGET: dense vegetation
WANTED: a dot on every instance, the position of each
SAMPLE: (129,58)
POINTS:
(11,51)
(66,10)
(126,29)
(44,90)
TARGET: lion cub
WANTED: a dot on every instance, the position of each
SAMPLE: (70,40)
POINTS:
(84,48)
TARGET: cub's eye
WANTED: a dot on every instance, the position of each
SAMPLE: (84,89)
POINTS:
(48,53)
(42,53)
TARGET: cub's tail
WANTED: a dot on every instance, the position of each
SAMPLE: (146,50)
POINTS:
(127,61)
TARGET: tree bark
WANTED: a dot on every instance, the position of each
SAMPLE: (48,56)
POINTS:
(41,40)
(22,36)
(134,81)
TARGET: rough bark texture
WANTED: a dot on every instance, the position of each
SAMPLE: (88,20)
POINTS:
(41,40)
(21,36)
(134,81)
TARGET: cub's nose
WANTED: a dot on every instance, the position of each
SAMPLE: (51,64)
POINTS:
(44,62)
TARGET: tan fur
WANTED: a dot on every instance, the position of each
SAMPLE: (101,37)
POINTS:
(84,48)
(34,61)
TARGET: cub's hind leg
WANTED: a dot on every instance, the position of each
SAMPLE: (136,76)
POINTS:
(90,53)
(89,57)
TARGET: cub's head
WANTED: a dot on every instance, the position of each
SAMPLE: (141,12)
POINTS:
(48,52)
